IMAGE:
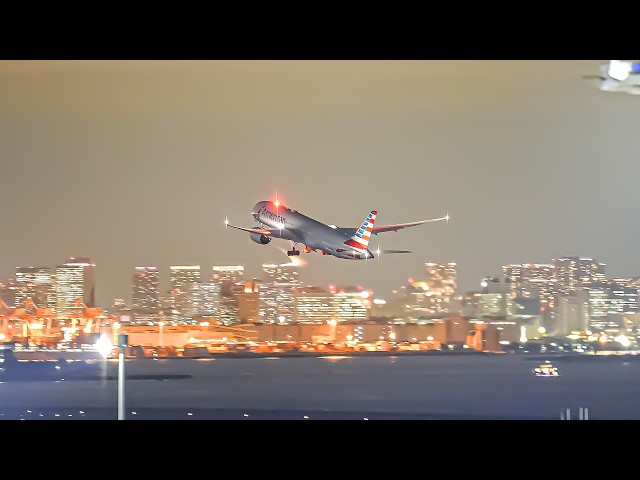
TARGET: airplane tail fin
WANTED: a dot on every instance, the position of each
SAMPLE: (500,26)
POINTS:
(363,234)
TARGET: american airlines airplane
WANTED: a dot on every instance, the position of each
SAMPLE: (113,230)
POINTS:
(619,76)
(278,221)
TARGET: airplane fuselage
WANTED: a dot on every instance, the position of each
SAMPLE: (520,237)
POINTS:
(293,226)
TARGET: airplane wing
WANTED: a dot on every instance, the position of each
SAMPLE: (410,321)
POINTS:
(399,226)
(394,228)
(251,230)
(286,234)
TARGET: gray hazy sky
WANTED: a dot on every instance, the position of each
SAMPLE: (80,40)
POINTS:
(138,163)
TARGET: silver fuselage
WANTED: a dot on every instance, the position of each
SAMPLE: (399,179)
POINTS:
(296,227)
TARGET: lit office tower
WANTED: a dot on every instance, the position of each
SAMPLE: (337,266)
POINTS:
(433,294)
(209,299)
(623,299)
(8,293)
(35,283)
(496,303)
(531,280)
(185,290)
(314,305)
(278,293)
(628,282)
(608,303)
(146,291)
(225,277)
(572,313)
(572,273)
(441,279)
(248,296)
(228,273)
(74,281)
(352,303)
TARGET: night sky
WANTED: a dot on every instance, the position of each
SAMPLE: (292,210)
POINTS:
(138,163)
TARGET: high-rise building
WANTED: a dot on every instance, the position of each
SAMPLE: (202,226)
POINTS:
(278,293)
(532,280)
(315,305)
(573,273)
(209,299)
(146,292)
(496,302)
(628,282)
(607,303)
(248,296)
(229,273)
(168,309)
(75,281)
(623,300)
(35,283)
(226,277)
(8,292)
(572,313)
(352,303)
(434,293)
(184,281)
(441,279)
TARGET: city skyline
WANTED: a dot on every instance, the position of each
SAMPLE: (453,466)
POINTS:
(139,162)
(164,282)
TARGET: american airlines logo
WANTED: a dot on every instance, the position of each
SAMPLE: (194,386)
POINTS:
(267,213)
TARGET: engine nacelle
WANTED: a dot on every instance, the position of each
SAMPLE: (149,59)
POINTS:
(259,238)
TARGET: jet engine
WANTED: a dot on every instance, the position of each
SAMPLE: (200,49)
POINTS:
(259,238)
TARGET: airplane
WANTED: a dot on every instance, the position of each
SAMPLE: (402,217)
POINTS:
(619,76)
(279,221)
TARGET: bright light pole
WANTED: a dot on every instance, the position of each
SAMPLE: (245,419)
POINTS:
(123,340)
(161,333)
(114,331)
(105,347)
(332,329)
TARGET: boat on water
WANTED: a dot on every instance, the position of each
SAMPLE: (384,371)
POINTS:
(546,369)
